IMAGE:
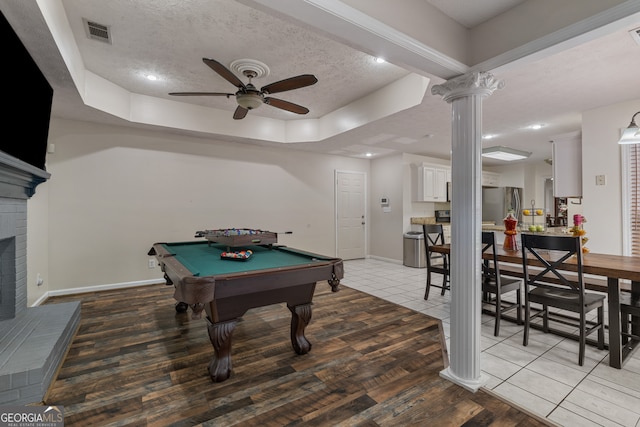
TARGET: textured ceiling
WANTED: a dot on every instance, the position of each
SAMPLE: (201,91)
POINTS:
(169,39)
(170,42)
(472,13)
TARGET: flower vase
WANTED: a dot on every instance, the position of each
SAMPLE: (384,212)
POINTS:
(578,231)
(510,232)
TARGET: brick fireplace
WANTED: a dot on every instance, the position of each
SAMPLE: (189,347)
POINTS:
(33,340)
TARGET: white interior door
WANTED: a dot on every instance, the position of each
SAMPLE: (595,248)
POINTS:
(350,215)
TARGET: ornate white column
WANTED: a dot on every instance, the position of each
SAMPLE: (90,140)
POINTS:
(465,93)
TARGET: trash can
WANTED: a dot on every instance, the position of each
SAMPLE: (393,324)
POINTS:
(414,254)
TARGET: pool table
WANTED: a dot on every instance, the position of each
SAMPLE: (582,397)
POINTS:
(227,288)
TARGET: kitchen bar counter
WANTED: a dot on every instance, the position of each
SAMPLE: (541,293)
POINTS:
(547,231)
(490,226)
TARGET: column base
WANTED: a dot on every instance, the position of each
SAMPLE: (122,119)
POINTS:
(467,384)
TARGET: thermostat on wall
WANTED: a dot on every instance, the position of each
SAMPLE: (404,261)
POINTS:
(384,201)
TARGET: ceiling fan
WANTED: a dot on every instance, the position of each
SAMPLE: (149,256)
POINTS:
(248,97)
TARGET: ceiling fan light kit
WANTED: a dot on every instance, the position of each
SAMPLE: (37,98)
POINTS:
(247,96)
(631,135)
(249,101)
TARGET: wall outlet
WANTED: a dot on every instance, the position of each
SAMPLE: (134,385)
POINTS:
(601,180)
(152,263)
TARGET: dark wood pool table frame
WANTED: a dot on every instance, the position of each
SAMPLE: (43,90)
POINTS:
(227,297)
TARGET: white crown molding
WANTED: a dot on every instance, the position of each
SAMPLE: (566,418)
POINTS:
(606,22)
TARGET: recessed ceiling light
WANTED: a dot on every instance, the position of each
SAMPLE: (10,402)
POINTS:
(151,77)
(368,154)
(488,136)
(380,60)
(536,126)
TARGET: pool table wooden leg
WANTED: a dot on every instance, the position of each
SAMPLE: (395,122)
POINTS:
(196,310)
(300,317)
(220,337)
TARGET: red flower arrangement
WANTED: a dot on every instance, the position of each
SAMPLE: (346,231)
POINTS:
(578,230)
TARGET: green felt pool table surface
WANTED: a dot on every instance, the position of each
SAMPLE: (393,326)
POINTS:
(203,259)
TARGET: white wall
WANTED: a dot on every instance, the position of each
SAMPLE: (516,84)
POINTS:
(114,191)
(392,177)
(38,244)
(601,155)
(386,228)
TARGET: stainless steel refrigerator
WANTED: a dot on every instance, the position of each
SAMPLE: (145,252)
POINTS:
(497,202)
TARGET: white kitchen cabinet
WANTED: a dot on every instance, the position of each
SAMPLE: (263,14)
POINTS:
(567,165)
(431,183)
(490,179)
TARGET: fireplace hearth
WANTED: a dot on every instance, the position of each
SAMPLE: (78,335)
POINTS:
(33,340)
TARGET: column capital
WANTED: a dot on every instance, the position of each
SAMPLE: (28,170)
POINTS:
(475,83)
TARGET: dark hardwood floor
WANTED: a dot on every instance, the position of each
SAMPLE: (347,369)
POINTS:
(136,362)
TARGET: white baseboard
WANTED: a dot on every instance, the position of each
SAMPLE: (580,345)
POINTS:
(96,288)
(40,300)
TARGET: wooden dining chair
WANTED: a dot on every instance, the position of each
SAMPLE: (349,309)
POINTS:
(630,316)
(551,286)
(495,285)
(436,262)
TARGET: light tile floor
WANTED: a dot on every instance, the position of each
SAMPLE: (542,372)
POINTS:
(543,377)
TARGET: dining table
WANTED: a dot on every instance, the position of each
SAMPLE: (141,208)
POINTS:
(617,269)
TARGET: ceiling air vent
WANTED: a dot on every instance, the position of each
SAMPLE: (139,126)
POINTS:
(635,34)
(97,31)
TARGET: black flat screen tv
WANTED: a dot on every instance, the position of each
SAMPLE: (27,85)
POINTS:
(27,100)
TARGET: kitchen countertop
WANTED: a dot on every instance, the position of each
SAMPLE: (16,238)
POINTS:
(423,220)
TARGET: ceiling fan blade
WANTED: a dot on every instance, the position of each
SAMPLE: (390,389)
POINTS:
(240,113)
(201,94)
(290,84)
(224,72)
(286,105)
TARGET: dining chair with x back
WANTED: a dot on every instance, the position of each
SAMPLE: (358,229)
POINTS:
(495,284)
(437,263)
(630,317)
(553,286)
